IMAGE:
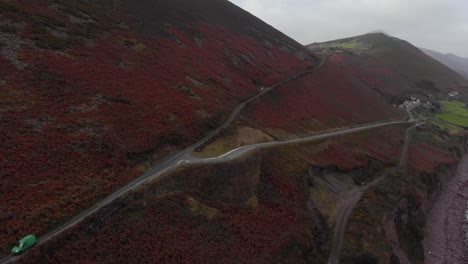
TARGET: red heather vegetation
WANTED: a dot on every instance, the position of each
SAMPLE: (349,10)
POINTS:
(394,67)
(254,210)
(393,213)
(250,211)
(331,97)
(86,102)
(426,158)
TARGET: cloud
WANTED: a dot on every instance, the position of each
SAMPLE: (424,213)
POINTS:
(441,25)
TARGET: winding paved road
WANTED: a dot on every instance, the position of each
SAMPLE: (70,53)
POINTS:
(167,163)
(184,158)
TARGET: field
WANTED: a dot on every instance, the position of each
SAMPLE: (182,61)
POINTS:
(451,129)
(455,113)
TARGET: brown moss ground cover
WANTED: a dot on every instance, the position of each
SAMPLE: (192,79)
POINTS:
(233,137)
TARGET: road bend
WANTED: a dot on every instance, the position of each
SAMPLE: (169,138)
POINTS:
(184,159)
(166,163)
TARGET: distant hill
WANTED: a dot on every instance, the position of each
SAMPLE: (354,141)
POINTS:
(409,71)
(452,61)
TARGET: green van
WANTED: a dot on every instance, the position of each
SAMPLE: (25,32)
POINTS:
(24,243)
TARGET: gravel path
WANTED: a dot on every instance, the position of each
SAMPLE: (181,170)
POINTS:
(446,228)
(346,204)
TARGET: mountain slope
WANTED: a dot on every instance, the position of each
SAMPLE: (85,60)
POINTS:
(95,93)
(90,98)
(372,71)
(395,67)
(454,62)
(261,208)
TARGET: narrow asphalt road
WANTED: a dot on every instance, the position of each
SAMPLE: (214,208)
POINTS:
(185,159)
(238,152)
(167,163)
(353,196)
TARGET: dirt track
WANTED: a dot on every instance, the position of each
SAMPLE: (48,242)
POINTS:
(352,197)
(346,204)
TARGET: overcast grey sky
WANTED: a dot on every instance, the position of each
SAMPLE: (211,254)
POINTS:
(441,25)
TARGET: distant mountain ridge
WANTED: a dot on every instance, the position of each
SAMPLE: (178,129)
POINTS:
(407,68)
(456,63)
